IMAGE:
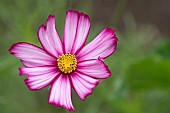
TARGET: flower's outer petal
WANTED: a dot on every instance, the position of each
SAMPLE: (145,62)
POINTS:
(77,26)
(37,70)
(60,92)
(31,55)
(83,84)
(94,68)
(82,32)
(70,29)
(39,77)
(49,37)
(102,46)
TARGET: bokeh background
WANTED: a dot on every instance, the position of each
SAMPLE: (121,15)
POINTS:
(140,81)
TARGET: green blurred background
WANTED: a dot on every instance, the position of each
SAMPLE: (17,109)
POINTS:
(140,81)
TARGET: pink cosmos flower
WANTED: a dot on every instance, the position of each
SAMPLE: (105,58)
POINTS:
(66,64)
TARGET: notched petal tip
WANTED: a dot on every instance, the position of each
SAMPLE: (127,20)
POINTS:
(83,99)
(29,86)
(20,72)
(72,11)
(110,30)
(60,93)
(114,37)
(42,27)
(85,15)
(105,66)
(79,13)
(10,49)
(58,105)
(51,16)
(50,19)
(13,46)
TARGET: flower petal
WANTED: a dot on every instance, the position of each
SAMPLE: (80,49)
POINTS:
(49,37)
(94,68)
(39,77)
(60,93)
(31,55)
(76,30)
(37,70)
(70,29)
(102,46)
(83,85)
(82,32)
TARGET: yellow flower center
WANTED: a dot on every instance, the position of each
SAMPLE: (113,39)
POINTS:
(67,63)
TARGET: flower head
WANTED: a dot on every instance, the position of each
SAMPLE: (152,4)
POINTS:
(66,64)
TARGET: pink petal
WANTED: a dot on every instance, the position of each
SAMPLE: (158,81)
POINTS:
(94,68)
(49,37)
(76,30)
(82,32)
(60,92)
(31,55)
(37,70)
(102,46)
(70,29)
(39,77)
(83,85)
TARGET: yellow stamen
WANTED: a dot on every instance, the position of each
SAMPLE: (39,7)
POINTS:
(67,63)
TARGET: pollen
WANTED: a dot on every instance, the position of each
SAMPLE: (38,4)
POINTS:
(67,63)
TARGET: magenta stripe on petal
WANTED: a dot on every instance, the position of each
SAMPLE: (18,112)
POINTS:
(41,80)
(60,92)
(31,55)
(94,68)
(102,46)
(76,30)
(49,37)
(83,84)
